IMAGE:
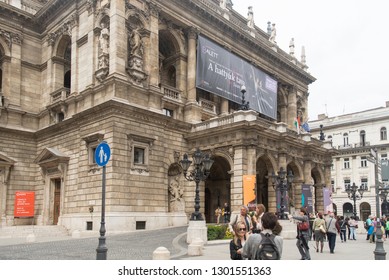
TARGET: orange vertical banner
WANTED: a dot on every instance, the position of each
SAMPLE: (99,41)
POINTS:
(24,204)
(249,190)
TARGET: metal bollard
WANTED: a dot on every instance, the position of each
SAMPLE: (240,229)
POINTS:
(379,252)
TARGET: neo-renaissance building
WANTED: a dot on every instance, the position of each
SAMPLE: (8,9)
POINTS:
(77,72)
(361,139)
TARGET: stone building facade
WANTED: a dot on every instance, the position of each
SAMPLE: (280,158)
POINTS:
(355,136)
(78,72)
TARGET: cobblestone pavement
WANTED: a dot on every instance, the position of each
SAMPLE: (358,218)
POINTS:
(138,245)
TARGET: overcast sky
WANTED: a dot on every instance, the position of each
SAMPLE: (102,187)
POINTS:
(346,47)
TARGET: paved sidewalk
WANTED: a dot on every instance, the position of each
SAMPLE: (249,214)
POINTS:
(360,249)
(140,245)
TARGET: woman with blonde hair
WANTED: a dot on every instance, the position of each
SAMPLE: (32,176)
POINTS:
(237,243)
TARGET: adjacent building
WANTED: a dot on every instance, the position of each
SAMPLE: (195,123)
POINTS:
(155,80)
(361,139)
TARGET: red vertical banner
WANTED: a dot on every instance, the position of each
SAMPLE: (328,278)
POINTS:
(249,191)
(24,204)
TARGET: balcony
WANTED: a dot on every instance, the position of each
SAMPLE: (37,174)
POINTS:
(362,144)
(171,94)
(59,95)
(208,106)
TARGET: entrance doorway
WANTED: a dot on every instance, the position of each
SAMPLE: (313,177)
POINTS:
(57,200)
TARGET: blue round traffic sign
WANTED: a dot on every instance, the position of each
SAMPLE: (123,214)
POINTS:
(102,154)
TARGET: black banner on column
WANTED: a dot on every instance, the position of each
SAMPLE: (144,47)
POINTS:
(223,73)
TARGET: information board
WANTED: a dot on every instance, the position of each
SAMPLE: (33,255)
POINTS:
(24,204)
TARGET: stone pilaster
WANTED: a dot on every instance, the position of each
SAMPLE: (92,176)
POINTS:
(118,38)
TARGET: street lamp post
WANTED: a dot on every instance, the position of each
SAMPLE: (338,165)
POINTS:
(383,193)
(352,192)
(202,166)
(282,183)
(245,105)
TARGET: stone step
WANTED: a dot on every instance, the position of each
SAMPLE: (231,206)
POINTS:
(23,231)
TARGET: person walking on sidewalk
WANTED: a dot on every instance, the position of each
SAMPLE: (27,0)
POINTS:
(343,228)
(319,235)
(332,230)
(303,233)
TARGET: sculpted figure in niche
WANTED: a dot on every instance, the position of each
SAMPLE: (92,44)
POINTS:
(175,189)
(177,203)
(104,39)
(136,43)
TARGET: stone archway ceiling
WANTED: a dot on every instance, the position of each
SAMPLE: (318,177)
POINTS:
(219,169)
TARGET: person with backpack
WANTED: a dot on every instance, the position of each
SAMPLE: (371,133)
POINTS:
(264,245)
(303,233)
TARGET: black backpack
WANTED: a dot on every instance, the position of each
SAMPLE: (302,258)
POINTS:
(267,249)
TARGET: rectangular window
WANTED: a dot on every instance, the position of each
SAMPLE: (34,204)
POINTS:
(168,112)
(364,182)
(346,163)
(139,155)
(333,185)
(347,183)
(140,148)
(363,161)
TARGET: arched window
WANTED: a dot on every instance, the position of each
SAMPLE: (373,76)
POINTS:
(362,137)
(66,79)
(345,139)
(171,76)
(383,133)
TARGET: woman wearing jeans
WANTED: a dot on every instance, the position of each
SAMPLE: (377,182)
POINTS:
(352,225)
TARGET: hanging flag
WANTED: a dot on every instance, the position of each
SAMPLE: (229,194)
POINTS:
(297,125)
(306,127)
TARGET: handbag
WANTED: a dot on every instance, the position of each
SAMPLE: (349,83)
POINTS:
(303,226)
(322,229)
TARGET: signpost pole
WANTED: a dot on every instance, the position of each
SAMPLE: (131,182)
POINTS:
(102,247)
(102,156)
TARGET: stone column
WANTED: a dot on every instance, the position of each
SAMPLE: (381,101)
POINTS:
(192,109)
(284,114)
(191,75)
(237,179)
(292,107)
(224,107)
(74,59)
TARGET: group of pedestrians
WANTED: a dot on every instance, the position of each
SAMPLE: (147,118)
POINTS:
(371,225)
(246,228)
(247,232)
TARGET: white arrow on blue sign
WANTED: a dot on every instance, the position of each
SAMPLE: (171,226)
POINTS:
(102,154)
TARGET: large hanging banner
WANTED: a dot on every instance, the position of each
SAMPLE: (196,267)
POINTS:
(223,73)
(327,199)
(249,194)
(24,204)
(385,170)
(306,197)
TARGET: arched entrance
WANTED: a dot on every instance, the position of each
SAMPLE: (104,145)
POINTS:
(347,209)
(262,183)
(217,188)
(365,210)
